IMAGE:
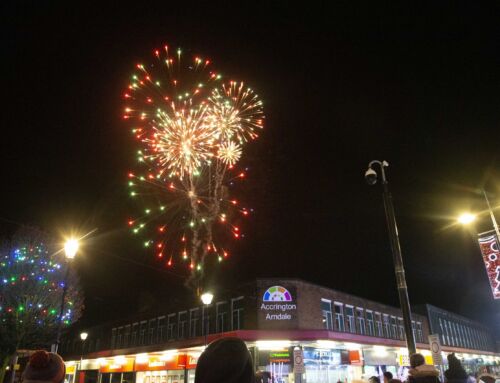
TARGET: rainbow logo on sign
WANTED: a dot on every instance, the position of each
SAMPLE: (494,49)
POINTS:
(277,294)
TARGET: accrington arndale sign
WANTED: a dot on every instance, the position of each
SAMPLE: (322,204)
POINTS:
(277,305)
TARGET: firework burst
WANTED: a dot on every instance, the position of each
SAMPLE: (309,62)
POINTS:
(229,153)
(237,112)
(191,128)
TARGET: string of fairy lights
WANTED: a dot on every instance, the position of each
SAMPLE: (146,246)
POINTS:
(31,282)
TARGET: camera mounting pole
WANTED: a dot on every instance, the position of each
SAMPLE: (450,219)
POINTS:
(396,251)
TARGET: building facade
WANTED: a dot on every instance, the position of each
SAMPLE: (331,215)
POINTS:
(342,337)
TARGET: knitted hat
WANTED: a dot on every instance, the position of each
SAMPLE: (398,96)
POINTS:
(45,366)
(226,360)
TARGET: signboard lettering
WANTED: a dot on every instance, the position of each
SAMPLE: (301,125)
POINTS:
(278,307)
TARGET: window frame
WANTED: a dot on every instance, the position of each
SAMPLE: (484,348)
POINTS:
(350,320)
(338,323)
(239,313)
(327,314)
(370,323)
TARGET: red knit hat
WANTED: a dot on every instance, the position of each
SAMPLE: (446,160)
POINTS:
(44,366)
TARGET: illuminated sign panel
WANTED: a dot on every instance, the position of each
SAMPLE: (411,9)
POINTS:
(277,307)
(277,294)
(318,357)
(491,257)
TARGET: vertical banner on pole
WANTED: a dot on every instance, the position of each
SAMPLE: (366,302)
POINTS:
(491,257)
(435,347)
(298,364)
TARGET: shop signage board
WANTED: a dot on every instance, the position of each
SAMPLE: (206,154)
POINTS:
(283,356)
(355,358)
(277,306)
(404,360)
(374,358)
(435,345)
(70,370)
(491,256)
(118,365)
(157,363)
(315,356)
(298,361)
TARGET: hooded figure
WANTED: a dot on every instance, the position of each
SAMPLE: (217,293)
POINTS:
(226,360)
(455,372)
(421,372)
(44,367)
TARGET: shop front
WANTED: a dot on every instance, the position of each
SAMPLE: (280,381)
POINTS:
(378,359)
(88,371)
(326,365)
(277,362)
(476,363)
(164,368)
(70,373)
(119,369)
(167,367)
(321,364)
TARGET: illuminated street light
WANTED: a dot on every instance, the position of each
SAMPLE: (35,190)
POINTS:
(71,248)
(83,336)
(206,298)
(466,218)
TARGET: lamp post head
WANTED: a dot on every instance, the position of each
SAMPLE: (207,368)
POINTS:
(206,298)
(466,218)
(371,176)
(83,336)
(70,248)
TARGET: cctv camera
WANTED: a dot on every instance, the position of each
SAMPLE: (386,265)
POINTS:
(371,176)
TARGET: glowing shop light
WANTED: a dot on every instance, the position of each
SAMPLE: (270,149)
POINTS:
(141,358)
(380,350)
(273,344)
(352,346)
(326,343)
(120,360)
(102,362)
(168,355)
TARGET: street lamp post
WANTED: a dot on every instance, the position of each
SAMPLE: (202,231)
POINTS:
(70,250)
(206,298)
(83,337)
(371,178)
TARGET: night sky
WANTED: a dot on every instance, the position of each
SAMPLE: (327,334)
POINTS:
(416,85)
